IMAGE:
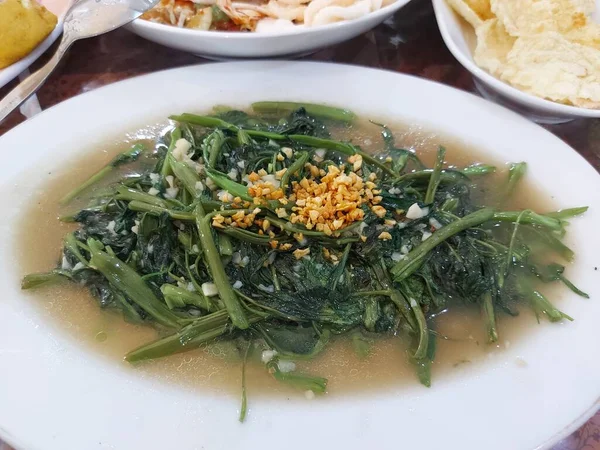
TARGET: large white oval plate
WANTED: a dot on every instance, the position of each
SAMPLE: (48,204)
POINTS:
(55,395)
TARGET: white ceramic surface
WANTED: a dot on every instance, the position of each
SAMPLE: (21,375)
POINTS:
(460,40)
(58,7)
(228,45)
(56,395)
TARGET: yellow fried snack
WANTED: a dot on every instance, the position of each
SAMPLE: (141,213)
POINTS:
(585,6)
(550,66)
(473,11)
(529,17)
(23,25)
(548,48)
(588,35)
(493,46)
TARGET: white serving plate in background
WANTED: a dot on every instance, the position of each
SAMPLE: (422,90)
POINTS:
(235,44)
(57,395)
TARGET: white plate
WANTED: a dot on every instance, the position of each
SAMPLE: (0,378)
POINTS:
(56,395)
(460,40)
(58,7)
(222,44)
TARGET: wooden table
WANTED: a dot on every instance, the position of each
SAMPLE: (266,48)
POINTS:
(409,43)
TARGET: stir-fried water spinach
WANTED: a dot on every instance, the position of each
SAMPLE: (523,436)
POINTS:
(264,230)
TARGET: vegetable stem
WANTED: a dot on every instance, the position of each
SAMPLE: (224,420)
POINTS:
(123,158)
(434,180)
(489,317)
(213,261)
(244,407)
(322,111)
(126,280)
(406,267)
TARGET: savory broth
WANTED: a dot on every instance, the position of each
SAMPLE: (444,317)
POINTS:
(217,367)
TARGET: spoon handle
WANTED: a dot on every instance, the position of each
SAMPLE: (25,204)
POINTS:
(32,83)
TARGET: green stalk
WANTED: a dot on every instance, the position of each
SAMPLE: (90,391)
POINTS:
(33,280)
(511,245)
(244,407)
(569,213)
(204,121)
(490,320)
(127,281)
(130,194)
(177,297)
(423,365)
(213,146)
(243,138)
(225,245)
(346,149)
(70,244)
(224,182)
(434,180)
(129,312)
(291,228)
(322,111)
(295,167)
(201,330)
(406,267)
(248,236)
(266,135)
(529,218)
(449,205)
(395,296)
(421,328)
(71,217)
(422,175)
(541,304)
(371,315)
(283,354)
(158,210)
(185,174)
(214,263)
(572,287)
(360,344)
(516,171)
(552,242)
(166,167)
(123,158)
(477,170)
(400,163)
(297,380)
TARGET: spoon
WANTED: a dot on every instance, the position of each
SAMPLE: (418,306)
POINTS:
(84,19)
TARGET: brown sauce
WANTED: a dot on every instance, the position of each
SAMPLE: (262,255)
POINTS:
(217,367)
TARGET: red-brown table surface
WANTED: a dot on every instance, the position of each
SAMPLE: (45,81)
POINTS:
(408,43)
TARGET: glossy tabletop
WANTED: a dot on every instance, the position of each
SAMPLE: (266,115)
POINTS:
(408,43)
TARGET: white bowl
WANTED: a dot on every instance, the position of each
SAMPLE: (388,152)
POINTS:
(460,40)
(227,45)
(57,394)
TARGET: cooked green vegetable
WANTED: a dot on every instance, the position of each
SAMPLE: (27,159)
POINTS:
(121,159)
(320,111)
(267,231)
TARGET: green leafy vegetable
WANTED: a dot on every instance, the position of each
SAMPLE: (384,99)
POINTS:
(268,230)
